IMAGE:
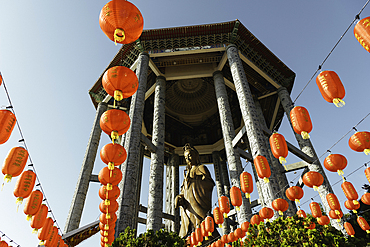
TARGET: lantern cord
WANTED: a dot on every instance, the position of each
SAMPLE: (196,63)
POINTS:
(29,155)
(10,240)
(357,17)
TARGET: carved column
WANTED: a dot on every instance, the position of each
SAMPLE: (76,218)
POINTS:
(138,181)
(169,198)
(250,117)
(127,199)
(307,148)
(78,201)
(276,167)
(155,198)
(175,161)
(228,131)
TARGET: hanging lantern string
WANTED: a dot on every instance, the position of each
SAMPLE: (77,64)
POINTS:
(357,17)
(10,240)
(29,155)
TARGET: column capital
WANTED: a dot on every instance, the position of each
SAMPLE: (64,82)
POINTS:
(161,77)
(144,53)
(217,72)
(231,45)
(281,89)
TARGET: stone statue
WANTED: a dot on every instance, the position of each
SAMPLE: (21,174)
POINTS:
(195,199)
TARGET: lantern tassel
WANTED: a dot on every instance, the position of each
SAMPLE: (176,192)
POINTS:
(282,160)
(354,211)
(209,233)
(225,215)
(237,208)
(219,225)
(315,188)
(367,151)
(338,102)
(355,202)
(114,135)
(35,231)
(367,231)
(29,217)
(206,238)
(281,213)
(297,201)
(286,169)
(266,180)
(118,95)
(340,172)
(8,178)
(305,135)
(119,35)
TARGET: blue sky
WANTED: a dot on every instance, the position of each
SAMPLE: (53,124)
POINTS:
(52,52)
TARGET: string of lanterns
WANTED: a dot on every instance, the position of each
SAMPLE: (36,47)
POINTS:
(122,23)
(3,243)
(13,166)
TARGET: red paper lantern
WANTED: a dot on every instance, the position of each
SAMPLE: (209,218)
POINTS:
(198,235)
(107,239)
(108,219)
(7,123)
(51,239)
(360,142)
(246,183)
(111,208)
(209,225)
(301,213)
(33,203)
(236,197)
(266,213)
(106,194)
(24,185)
(39,218)
(14,163)
(121,21)
(313,179)
(46,229)
(113,154)
(294,193)
(331,87)
(110,177)
(323,220)
(114,122)
(279,147)
(365,198)
(238,233)
(301,121)
(362,33)
(224,204)
(349,229)
(335,163)
(363,224)
(3,244)
(351,206)
(262,168)
(367,174)
(333,202)
(231,237)
(203,230)
(350,191)
(217,214)
(193,239)
(256,220)
(315,209)
(245,226)
(107,227)
(336,214)
(224,239)
(280,205)
(120,82)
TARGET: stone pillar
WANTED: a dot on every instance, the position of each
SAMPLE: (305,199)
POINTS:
(155,198)
(140,163)
(175,161)
(217,167)
(127,199)
(307,148)
(276,167)
(228,131)
(78,201)
(250,117)
(169,199)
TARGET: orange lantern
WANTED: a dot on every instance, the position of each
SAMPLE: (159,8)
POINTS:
(266,213)
(238,233)
(7,123)
(111,208)
(315,209)
(301,213)
(113,154)
(110,177)
(246,184)
(107,239)
(39,218)
(193,239)
(365,198)
(3,244)
(333,202)
(224,204)
(280,205)
(108,195)
(24,185)
(351,206)
(198,235)
(262,168)
(236,197)
(231,237)
(336,214)
(203,230)
(46,229)
(108,219)
(224,239)
(363,224)
(217,214)
(360,142)
(279,147)
(111,231)
(313,179)
(301,121)
(323,220)
(107,226)
(121,21)
(33,203)
(209,225)
(350,191)
(114,122)
(294,193)
(331,87)
(349,229)
(362,33)
(256,220)
(14,163)
(120,82)
(367,174)
(245,226)
(51,239)
(335,163)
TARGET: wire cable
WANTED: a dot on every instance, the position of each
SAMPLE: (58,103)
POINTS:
(10,240)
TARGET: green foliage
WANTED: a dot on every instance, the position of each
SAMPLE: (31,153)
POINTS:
(161,238)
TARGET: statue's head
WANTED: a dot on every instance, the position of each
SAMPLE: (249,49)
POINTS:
(191,155)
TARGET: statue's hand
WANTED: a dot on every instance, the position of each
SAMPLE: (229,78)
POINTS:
(179,201)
